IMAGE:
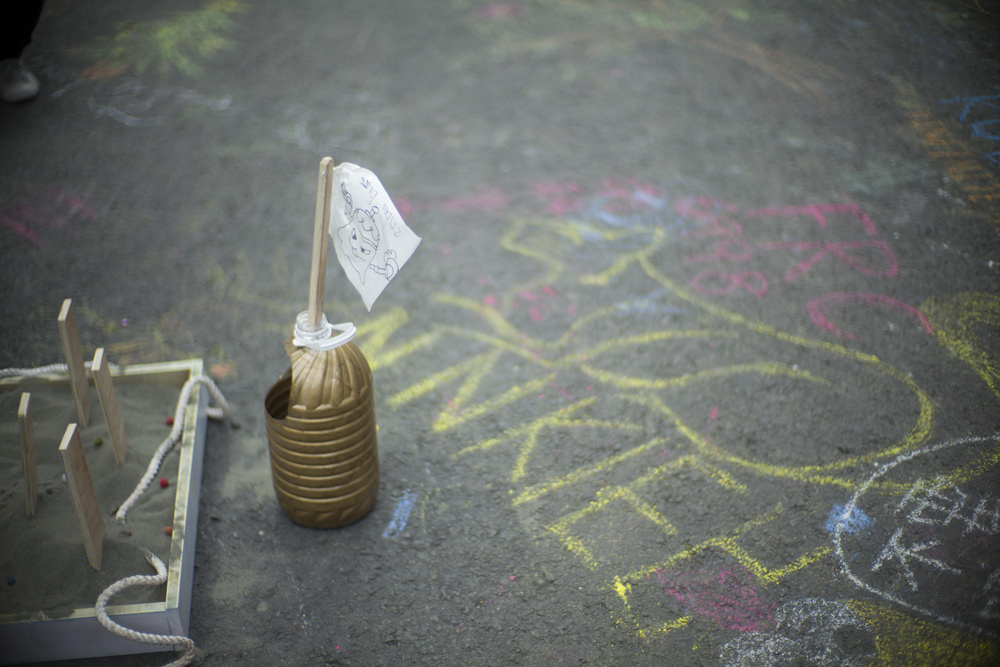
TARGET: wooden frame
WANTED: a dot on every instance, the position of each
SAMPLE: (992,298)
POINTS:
(80,635)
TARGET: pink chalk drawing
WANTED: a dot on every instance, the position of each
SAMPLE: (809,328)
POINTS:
(722,251)
(840,250)
(492,200)
(619,202)
(406,206)
(818,212)
(710,220)
(869,256)
(736,249)
(559,198)
(817,309)
(59,211)
(19,227)
(725,596)
(622,201)
(536,304)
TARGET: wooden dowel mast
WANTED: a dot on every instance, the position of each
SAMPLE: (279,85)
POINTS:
(109,404)
(321,231)
(74,359)
(81,489)
(27,430)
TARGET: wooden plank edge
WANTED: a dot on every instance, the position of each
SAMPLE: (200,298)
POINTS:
(186,509)
(81,489)
(109,405)
(29,473)
(69,334)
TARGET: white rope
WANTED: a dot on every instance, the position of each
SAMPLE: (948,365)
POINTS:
(177,642)
(51,369)
(320,336)
(219,412)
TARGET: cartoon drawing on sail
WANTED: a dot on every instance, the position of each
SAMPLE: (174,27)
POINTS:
(371,239)
(362,235)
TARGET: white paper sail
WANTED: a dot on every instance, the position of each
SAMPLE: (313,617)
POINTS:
(371,239)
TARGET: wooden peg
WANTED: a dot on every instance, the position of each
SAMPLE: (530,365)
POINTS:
(321,241)
(74,359)
(109,404)
(27,428)
(81,489)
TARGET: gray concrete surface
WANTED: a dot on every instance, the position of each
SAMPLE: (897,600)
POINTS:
(698,362)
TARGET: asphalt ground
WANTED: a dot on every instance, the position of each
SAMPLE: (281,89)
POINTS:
(698,361)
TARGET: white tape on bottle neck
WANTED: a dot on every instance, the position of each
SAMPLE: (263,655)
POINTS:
(321,337)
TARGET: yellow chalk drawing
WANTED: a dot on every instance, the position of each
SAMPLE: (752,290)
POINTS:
(373,334)
(918,434)
(180,43)
(906,640)
(623,590)
(505,369)
(627,382)
(729,543)
(959,321)
(628,494)
(954,320)
(531,431)
(538,490)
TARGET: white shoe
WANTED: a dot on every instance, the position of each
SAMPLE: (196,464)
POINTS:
(17,83)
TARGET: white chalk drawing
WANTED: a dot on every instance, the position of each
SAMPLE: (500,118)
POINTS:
(132,102)
(991,591)
(943,531)
(902,553)
(940,503)
(369,235)
(323,133)
(810,631)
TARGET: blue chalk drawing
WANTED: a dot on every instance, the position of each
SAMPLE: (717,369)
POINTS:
(979,129)
(853,523)
(401,515)
(649,304)
(991,101)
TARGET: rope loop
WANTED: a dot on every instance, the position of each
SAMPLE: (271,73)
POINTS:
(178,642)
(221,411)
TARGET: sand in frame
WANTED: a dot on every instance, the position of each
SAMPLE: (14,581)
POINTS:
(33,637)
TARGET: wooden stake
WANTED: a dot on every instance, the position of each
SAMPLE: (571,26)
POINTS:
(27,428)
(321,231)
(109,404)
(74,359)
(81,489)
